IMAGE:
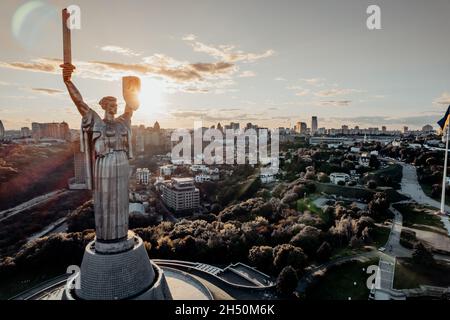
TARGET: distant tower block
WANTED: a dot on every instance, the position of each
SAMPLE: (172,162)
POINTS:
(314,124)
(2,130)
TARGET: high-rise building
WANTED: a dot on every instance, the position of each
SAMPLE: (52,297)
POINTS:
(300,127)
(314,125)
(142,176)
(79,181)
(234,125)
(405,129)
(2,130)
(345,129)
(383,129)
(180,194)
(52,130)
(25,132)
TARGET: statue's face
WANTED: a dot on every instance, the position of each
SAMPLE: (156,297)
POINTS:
(111,107)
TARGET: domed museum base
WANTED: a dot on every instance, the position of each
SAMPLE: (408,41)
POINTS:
(118,271)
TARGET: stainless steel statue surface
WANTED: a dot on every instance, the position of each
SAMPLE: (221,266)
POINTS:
(107,145)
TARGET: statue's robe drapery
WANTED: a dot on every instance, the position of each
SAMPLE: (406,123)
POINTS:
(107,146)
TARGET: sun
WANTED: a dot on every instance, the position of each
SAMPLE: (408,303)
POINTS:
(152,95)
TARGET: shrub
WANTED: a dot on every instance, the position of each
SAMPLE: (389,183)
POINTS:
(287,281)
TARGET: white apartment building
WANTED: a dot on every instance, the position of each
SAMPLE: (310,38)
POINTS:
(364,160)
(143,176)
(200,178)
(266,178)
(180,194)
(167,170)
(335,177)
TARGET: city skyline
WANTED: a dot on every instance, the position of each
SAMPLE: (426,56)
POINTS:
(316,59)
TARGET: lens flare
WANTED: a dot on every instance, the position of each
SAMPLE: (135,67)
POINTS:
(30,21)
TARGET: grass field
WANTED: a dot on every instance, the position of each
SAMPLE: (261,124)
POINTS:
(427,190)
(380,236)
(344,282)
(416,215)
(410,275)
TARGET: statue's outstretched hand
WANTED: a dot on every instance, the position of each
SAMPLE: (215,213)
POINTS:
(67,71)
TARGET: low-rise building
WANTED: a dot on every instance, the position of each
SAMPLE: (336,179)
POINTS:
(336,177)
(364,160)
(266,177)
(167,170)
(200,178)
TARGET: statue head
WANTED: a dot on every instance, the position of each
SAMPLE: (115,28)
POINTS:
(109,104)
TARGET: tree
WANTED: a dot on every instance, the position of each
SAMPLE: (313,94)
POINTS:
(372,184)
(378,205)
(374,162)
(323,177)
(324,252)
(261,257)
(422,255)
(287,281)
(309,239)
(287,254)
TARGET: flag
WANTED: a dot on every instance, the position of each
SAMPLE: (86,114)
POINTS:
(443,123)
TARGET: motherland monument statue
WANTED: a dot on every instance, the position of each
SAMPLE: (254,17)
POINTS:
(115,265)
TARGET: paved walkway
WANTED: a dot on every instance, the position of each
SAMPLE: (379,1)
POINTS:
(411,187)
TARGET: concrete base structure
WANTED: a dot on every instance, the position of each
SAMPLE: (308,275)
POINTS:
(122,275)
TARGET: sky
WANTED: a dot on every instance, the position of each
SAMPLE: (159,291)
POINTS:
(269,62)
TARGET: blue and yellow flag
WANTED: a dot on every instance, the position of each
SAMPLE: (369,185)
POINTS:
(443,123)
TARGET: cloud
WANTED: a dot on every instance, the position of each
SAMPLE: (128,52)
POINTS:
(184,76)
(335,103)
(247,74)
(444,99)
(227,53)
(120,50)
(335,92)
(47,91)
(38,65)
(280,79)
(313,81)
(225,114)
(179,75)
(302,92)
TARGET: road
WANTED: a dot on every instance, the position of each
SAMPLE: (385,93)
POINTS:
(8,213)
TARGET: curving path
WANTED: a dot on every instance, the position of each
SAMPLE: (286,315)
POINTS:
(411,187)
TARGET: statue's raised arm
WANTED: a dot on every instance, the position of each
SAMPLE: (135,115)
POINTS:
(77,99)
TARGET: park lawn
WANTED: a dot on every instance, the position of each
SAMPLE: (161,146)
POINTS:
(409,274)
(343,282)
(427,190)
(308,204)
(416,215)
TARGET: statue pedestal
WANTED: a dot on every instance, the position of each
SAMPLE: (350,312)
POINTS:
(112,247)
(120,275)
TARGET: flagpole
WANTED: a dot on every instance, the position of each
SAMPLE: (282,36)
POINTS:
(444,178)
